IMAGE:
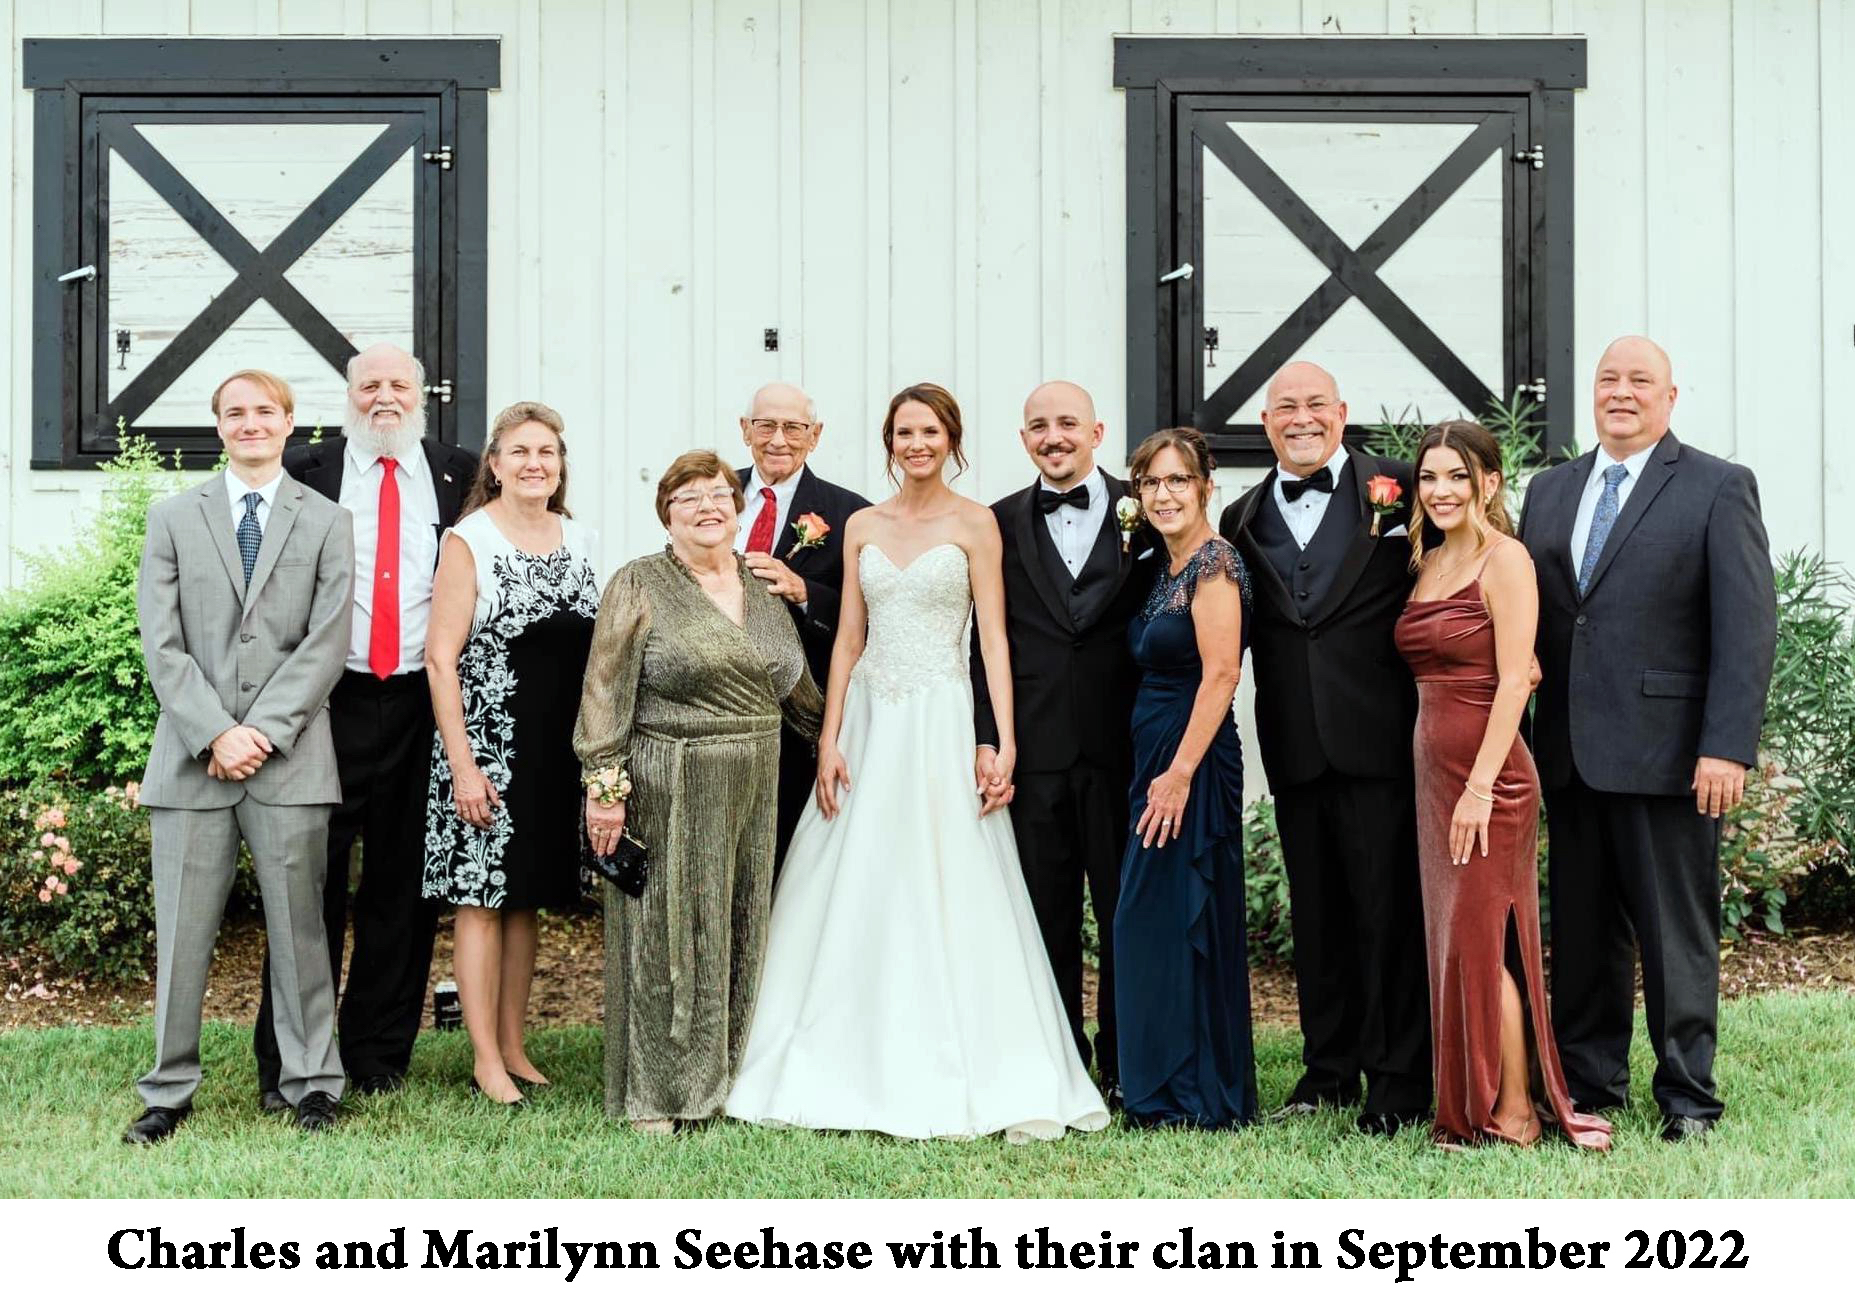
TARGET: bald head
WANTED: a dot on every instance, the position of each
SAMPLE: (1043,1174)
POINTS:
(1633,396)
(386,400)
(1061,432)
(781,428)
(1303,417)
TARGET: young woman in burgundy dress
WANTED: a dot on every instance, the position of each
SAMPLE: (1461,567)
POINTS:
(1467,633)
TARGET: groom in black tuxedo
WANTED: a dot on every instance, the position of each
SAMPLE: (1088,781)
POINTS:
(781,428)
(1072,583)
(1335,706)
(1657,628)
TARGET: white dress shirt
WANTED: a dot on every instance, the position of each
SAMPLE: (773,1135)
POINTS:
(1594,489)
(237,488)
(418,551)
(782,505)
(1303,516)
(1074,529)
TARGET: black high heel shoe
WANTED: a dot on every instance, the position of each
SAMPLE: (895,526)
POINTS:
(476,1090)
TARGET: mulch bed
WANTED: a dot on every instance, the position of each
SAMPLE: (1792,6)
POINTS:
(569,979)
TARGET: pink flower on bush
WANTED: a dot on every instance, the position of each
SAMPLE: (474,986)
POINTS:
(38,854)
(63,886)
(50,882)
(72,865)
(133,790)
(62,844)
(58,858)
(48,840)
(45,897)
(49,818)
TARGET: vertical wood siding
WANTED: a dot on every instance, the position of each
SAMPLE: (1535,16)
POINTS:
(933,189)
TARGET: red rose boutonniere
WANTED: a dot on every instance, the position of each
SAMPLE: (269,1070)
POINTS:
(811,529)
(1382,493)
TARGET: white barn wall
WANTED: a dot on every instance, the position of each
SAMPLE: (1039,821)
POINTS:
(935,190)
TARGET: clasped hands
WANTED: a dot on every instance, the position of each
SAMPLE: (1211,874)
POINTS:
(238,752)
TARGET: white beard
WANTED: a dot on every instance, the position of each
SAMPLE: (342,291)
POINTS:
(370,442)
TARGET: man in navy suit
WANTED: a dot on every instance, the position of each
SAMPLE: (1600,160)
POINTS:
(781,428)
(1657,629)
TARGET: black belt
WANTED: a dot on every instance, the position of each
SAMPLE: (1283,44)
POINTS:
(360,680)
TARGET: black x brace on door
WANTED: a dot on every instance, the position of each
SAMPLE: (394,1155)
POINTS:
(92,100)
(1511,97)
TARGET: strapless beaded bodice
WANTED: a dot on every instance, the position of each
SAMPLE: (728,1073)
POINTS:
(917,620)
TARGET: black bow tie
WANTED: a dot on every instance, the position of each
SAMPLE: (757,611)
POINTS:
(1049,499)
(1321,481)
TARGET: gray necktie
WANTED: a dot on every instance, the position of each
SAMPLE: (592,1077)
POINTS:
(249,535)
(1601,524)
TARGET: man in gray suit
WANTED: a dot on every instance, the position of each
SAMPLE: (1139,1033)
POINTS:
(245,600)
(1657,625)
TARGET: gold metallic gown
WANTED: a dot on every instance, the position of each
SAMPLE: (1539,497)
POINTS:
(690,705)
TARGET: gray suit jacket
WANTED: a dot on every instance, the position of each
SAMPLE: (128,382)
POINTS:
(219,656)
(1668,657)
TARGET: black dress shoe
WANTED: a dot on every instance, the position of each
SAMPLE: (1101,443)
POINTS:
(155,1125)
(272,1101)
(316,1111)
(1385,1124)
(1677,1130)
(381,1083)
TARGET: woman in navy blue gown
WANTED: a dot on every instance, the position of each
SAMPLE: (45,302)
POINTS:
(1181,961)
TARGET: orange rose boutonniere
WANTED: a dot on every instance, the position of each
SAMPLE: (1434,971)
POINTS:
(811,529)
(1382,493)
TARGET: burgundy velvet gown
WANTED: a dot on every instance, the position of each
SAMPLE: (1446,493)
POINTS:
(1474,912)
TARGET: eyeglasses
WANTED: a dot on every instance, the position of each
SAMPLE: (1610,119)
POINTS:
(715,496)
(792,429)
(1177,485)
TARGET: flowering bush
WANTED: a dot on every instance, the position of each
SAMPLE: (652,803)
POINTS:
(74,879)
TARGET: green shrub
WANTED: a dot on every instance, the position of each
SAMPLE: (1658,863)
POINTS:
(77,698)
(1265,884)
(74,880)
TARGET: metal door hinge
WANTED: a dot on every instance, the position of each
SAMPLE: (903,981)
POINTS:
(441,156)
(440,390)
(1536,156)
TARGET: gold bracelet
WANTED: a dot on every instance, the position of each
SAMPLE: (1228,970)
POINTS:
(1470,788)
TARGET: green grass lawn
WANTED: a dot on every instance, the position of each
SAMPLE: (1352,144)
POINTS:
(1787,1069)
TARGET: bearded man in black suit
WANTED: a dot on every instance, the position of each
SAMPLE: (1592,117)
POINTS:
(1073,579)
(1657,630)
(1335,709)
(800,562)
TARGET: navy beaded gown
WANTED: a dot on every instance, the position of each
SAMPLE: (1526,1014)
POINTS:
(1180,955)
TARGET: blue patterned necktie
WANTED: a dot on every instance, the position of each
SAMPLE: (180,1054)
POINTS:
(249,535)
(1601,524)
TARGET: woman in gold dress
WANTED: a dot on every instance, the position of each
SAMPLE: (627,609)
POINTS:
(692,664)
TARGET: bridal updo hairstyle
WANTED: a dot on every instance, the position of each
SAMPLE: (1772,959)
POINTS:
(486,488)
(1481,453)
(1192,448)
(701,464)
(946,411)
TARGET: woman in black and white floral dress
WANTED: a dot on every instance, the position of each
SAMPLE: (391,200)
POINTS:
(513,607)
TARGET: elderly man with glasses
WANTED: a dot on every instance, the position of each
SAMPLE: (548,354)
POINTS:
(792,532)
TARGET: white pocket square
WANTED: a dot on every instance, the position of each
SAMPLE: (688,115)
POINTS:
(1143,555)
(1399,532)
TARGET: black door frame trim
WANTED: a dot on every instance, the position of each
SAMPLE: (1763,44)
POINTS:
(63,72)
(1155,71)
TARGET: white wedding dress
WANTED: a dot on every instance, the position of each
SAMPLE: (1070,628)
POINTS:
(906,989)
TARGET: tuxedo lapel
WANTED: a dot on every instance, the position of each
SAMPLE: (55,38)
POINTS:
(1559,512)
(804,498)
(1364,541)
(215,507)
(1247,506)
(1031,556)
(449,487)
(1656,472)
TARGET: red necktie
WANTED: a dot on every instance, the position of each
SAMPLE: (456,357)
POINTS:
(383,640)
(761,539)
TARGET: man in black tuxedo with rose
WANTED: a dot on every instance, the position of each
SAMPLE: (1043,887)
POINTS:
(793,534)
(1335,707)
(1074,577)
(1657,629)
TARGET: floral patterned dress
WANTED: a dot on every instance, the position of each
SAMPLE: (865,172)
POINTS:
(520,672)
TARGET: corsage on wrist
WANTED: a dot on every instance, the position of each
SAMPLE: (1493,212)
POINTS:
(609,786)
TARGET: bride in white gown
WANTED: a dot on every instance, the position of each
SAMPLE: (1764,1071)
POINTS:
(906,988)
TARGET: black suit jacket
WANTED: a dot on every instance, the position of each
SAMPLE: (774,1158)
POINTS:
(1668,656)
(822,567)
(1332,692)
(321,466)
(1072,687)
